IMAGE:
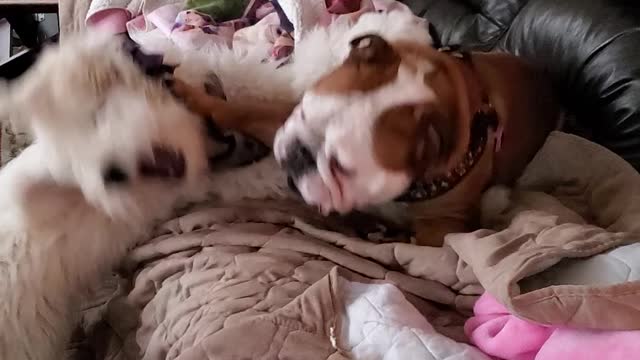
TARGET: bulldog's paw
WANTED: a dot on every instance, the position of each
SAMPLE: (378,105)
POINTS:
(195,98)
(382,238)
(213,86)
(376,229)
(432,232)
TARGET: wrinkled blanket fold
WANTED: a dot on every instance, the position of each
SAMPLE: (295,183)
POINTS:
(590,205)
(209,279)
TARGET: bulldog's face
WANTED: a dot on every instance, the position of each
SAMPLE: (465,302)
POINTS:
(388,114)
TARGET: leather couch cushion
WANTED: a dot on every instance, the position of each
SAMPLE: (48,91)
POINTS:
(476,24)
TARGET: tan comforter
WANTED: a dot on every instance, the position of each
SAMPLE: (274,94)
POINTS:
(252,281)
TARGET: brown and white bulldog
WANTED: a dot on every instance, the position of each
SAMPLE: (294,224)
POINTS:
(403,121)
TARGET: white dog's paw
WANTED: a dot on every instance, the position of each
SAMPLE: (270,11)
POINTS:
(494,205)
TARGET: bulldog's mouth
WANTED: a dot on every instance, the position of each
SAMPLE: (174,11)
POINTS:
(309,177)
(314,191)
(332,178)
(323,187)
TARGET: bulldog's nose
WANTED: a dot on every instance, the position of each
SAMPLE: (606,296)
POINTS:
(299,160)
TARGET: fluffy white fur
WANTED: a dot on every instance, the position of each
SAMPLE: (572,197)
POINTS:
(61,227)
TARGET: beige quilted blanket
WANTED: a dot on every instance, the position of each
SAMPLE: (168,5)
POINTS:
(253,281)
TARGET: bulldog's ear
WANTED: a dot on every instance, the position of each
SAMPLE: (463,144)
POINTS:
(372,49)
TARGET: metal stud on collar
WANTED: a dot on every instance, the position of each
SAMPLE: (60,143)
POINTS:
(455,51)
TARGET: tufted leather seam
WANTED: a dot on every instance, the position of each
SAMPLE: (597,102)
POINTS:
(470,13)
(599,49)
(602,97)
(482,44)
(478,10)
(513,20)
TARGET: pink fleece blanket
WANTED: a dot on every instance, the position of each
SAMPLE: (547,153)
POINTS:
(498,333)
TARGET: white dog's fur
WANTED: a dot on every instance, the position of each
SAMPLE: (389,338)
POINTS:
(61,226)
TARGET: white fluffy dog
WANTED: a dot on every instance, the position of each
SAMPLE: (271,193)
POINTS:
(114,153)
